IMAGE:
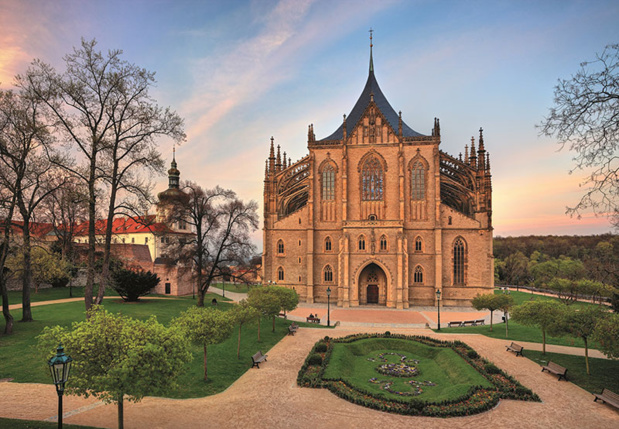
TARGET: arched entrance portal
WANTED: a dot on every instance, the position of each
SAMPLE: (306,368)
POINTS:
(372,285)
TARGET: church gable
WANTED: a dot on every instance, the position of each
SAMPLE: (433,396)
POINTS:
(373,127)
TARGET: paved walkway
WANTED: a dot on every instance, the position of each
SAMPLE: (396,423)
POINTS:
(269,398)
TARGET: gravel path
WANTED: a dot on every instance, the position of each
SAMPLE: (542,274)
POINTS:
(269,398)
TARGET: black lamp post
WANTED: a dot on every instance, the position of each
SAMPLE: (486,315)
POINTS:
(60,365)
(328,306)
(438,307)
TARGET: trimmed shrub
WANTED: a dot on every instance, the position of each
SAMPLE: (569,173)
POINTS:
(315,360)
(472,354)
(321,348)
(131,285)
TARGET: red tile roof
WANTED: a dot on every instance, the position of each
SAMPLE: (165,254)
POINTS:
(126,225)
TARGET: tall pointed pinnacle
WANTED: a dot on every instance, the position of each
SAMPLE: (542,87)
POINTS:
(173,173)
(371,45)
(174,156)
(272,157)
(481,139)
(278,162)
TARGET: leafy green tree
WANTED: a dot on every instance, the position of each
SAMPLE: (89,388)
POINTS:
(516,269)
(266,302)
(581,323)
(117,358)
(131,285)
(543,314)
(46,267)
(288,298)
(504,303)
(205,326)
(607,334)
(487,301)
(243,313)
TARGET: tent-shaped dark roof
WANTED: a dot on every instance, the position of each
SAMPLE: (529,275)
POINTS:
(372,88)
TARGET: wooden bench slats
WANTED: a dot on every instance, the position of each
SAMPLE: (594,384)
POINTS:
(608,396)
(513,347)
(312,319)
(257,358)
(556,369)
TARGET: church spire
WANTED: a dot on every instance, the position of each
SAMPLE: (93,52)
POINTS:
(173,173)
(371,45)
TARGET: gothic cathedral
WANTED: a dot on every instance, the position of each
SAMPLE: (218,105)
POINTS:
(378,214)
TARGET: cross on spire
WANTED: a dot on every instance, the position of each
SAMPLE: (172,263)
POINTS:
(371,45)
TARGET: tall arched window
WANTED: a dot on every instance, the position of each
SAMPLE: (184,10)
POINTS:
(383,243)
(459,257)
(418,182)
(280,273)
(328,183)
(418,244)
(328,274)
(372,180)
(280,247)
(328,244)
(418,274)
(362,242)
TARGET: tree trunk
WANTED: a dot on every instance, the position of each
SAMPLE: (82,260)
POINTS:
(586,355)
(238,347)
(8,319)
(491,314)
(120,413)
(27,279)
(543,341)
(273,324)
(92,219)
(506,324)
(259,329)
(205,373)
(107,246)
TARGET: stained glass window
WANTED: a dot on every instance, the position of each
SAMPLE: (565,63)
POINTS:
(458,257)
(372,180)
(328,183)
(418,182)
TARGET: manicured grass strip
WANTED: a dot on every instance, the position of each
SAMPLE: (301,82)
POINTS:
(520,297)
(443,366)
(516,333)
(230,287)
(604,372)
(34,424)
(53,293)
(223,366)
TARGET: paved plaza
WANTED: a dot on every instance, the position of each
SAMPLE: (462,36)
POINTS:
(270,398)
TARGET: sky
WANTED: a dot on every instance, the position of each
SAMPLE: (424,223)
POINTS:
(240,72)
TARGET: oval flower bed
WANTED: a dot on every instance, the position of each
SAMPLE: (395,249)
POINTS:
(389,390)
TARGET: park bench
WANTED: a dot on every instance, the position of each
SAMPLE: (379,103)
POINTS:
(283,315)
(468,323)
(479,322)
(608,396)
(556,369)
(257,358)
(292,329)
(513,347)
(452,324)
(313,320)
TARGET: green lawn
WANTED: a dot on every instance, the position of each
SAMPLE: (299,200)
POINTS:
(520,332)
(604,372)
(520,297)
(442,366)
(52,293)
(229,287)
(223,366)
(33,424)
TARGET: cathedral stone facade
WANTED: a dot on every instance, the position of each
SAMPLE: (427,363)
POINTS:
(378,214)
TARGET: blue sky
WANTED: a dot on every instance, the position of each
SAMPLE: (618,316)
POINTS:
(240,72)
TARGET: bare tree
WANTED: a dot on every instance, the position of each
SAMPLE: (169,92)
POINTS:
(26,171)
(222,224)
(102,106)
(585,118)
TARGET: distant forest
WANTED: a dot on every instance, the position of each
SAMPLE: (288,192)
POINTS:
(568,265)
(554,246)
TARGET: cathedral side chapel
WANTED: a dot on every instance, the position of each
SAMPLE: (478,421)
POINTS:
(378,214)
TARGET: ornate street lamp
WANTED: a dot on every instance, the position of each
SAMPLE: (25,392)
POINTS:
(60,366)
(328,306)
(438,307)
